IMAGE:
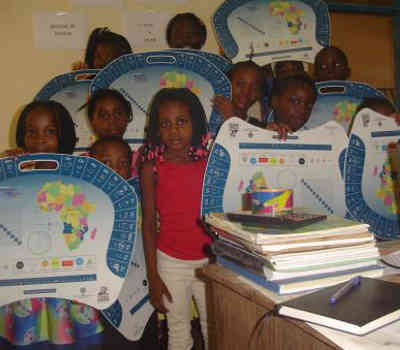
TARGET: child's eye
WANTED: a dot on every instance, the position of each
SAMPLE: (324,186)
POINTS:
(165,124)
(52,131)
(338,65)
(295,100)
(323,66)
(103,115)
(181,122)
(118,113)
(29,132)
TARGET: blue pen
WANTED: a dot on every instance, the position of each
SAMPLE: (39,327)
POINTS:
(354,282)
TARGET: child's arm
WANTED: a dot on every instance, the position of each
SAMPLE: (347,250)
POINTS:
(13,152)
(224,106)
(156,286)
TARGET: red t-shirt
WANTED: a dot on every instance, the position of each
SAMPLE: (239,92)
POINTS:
(178,193)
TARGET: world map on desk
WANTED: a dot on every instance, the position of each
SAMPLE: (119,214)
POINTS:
(69,202)
(290,13)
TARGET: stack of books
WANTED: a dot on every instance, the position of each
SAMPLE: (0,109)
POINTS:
(294,260)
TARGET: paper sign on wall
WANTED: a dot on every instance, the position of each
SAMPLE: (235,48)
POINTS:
(59,30)
(146,29)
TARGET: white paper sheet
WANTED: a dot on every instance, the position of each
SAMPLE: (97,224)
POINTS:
(59,30)
(146,29)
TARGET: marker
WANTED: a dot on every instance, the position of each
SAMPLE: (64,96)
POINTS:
(350,285)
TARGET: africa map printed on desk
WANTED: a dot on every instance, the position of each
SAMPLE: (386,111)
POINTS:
(271,30)
(67,232)
(338,100)
(371,173)
(244,157)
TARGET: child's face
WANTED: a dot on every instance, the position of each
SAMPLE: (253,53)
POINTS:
(41,132)
(294,106)
(288,68)
(103,55)
(109,118)
(246,89)
(175,128)
(331,66)
(186,34)
(115,156)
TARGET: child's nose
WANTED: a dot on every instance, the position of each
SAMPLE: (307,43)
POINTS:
(331,68)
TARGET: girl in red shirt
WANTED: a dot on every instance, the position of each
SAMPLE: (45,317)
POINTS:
(171,180)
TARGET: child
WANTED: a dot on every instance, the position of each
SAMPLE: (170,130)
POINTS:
(292,101)
(46,126)
(331,64)
(109,113)
(116,154)
(103,47)
(186,30)
(283,69)
(247,79)
(171,180)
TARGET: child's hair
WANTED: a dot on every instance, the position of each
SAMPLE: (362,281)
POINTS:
(193,19)
(248,64)
(154,148)
(376,103)
(281,85)
(100,94)
(104,36)
(280,66)
(65,125)
(109,140)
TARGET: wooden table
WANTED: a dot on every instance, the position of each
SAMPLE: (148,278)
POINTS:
(239,319)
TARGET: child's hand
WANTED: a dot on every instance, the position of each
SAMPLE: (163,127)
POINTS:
(157,289)
(282,129)
(396,117)
(13,152)
(224,106)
